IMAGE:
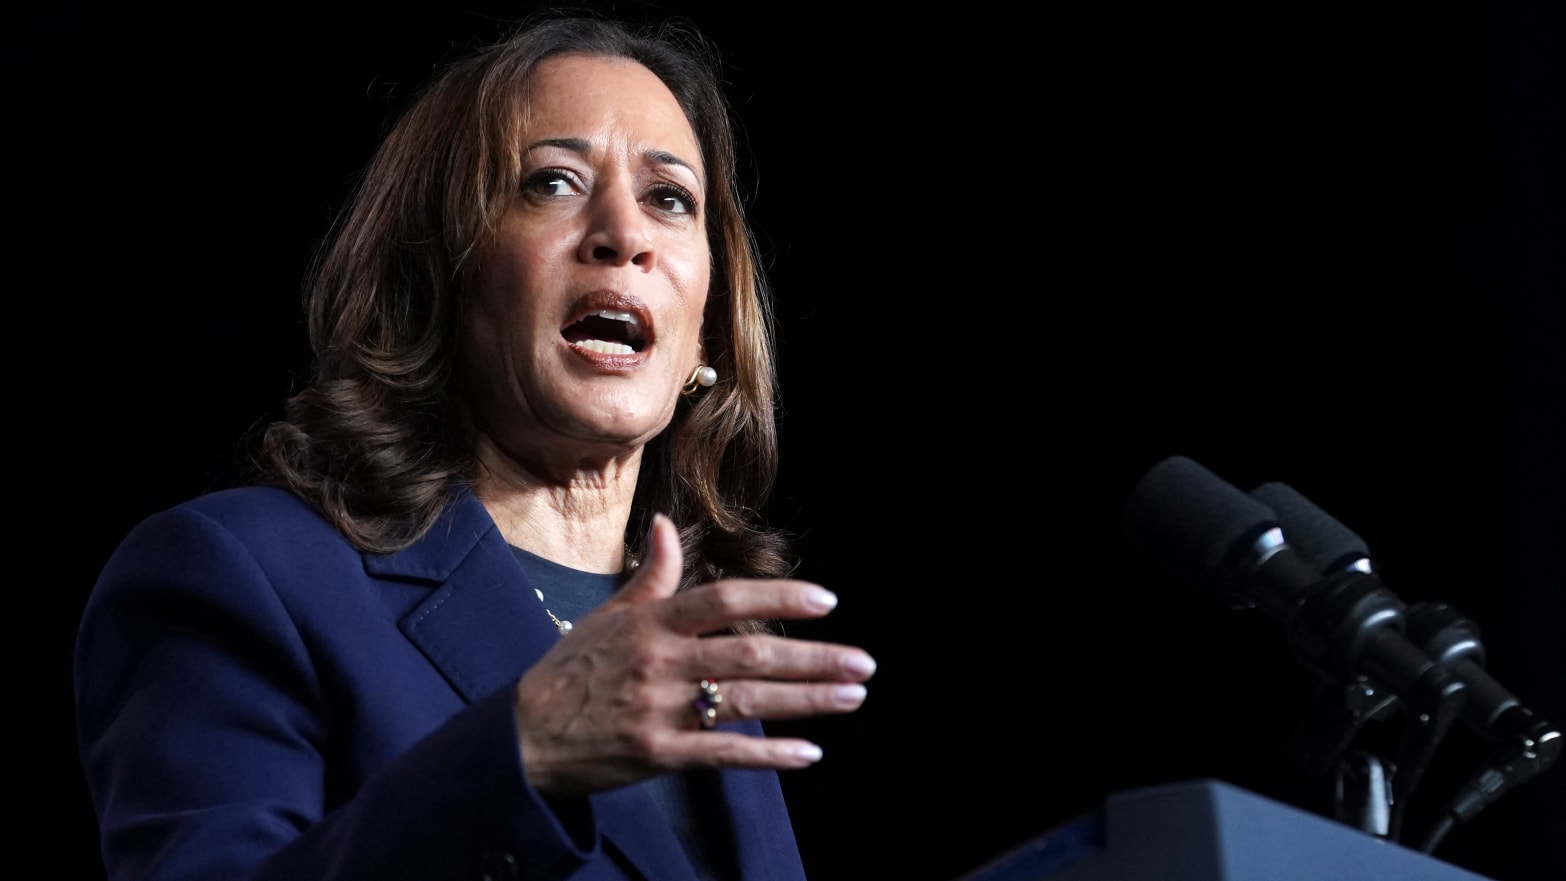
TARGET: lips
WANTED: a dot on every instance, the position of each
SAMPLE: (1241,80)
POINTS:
(609,324)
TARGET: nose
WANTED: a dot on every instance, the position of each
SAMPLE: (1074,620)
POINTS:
(617,232)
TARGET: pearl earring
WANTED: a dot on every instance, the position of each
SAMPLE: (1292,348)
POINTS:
(703,376)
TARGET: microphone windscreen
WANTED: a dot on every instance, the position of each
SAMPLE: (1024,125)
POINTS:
(1314,534)
(1191,521)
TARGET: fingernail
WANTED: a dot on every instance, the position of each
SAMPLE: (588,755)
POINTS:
(821,598)
(849,695)
(807,753)
(864,665)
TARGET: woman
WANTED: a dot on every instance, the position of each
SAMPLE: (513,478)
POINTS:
(498,604)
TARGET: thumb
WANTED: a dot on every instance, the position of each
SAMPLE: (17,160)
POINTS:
(658,575)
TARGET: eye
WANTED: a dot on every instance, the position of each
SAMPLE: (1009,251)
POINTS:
(550,183)
(672,199)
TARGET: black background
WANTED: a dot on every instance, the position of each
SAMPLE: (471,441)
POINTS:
(1018,258)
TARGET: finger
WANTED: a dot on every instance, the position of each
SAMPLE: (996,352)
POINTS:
(768,656)
(764,700)
(712,607)
(658,575)
(728,749)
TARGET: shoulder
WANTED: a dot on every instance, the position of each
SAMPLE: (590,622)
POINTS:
(251,507)
(282,534)
(228,536)
(247,560)
(253,516)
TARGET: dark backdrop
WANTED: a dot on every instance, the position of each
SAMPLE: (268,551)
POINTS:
(1018,261)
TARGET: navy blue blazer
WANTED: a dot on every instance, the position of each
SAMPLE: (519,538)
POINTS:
(256,699)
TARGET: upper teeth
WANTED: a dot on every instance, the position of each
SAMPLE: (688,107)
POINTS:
(618,316)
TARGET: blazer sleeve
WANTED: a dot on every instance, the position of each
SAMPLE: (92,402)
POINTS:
(211,753)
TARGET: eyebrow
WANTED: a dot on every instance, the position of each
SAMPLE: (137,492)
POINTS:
(579,145)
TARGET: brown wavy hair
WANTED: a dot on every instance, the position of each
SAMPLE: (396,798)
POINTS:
(380,437)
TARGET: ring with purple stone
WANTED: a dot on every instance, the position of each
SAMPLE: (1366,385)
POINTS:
(707,703)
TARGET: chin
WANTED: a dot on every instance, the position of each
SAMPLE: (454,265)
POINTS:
(627,427)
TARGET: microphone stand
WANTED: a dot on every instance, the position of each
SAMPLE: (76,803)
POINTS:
(1361,794)
(1371,793)
(1321,745)
(1350,628)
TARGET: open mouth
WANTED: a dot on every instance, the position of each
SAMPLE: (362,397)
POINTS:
(607,331)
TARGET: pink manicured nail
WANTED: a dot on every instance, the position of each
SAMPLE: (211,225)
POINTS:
(821,598)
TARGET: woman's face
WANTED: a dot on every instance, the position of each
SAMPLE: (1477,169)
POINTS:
(586,319)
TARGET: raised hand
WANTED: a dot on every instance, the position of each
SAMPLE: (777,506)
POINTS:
(619,698)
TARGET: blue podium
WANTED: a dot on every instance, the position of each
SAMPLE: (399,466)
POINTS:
(1207,830)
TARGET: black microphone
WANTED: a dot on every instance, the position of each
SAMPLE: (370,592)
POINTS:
(1437,628)
(1231,546)
(1526,745)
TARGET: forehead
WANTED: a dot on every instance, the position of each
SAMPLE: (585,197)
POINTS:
(597,98)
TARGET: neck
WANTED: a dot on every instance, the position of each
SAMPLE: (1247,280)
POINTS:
(576,520)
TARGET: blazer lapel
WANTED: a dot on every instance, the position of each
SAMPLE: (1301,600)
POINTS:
(481,626)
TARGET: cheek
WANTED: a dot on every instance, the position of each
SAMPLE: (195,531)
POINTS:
(693,278)
(508,285)
(498,332)
(486,314)
(480,348)
(693,345)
